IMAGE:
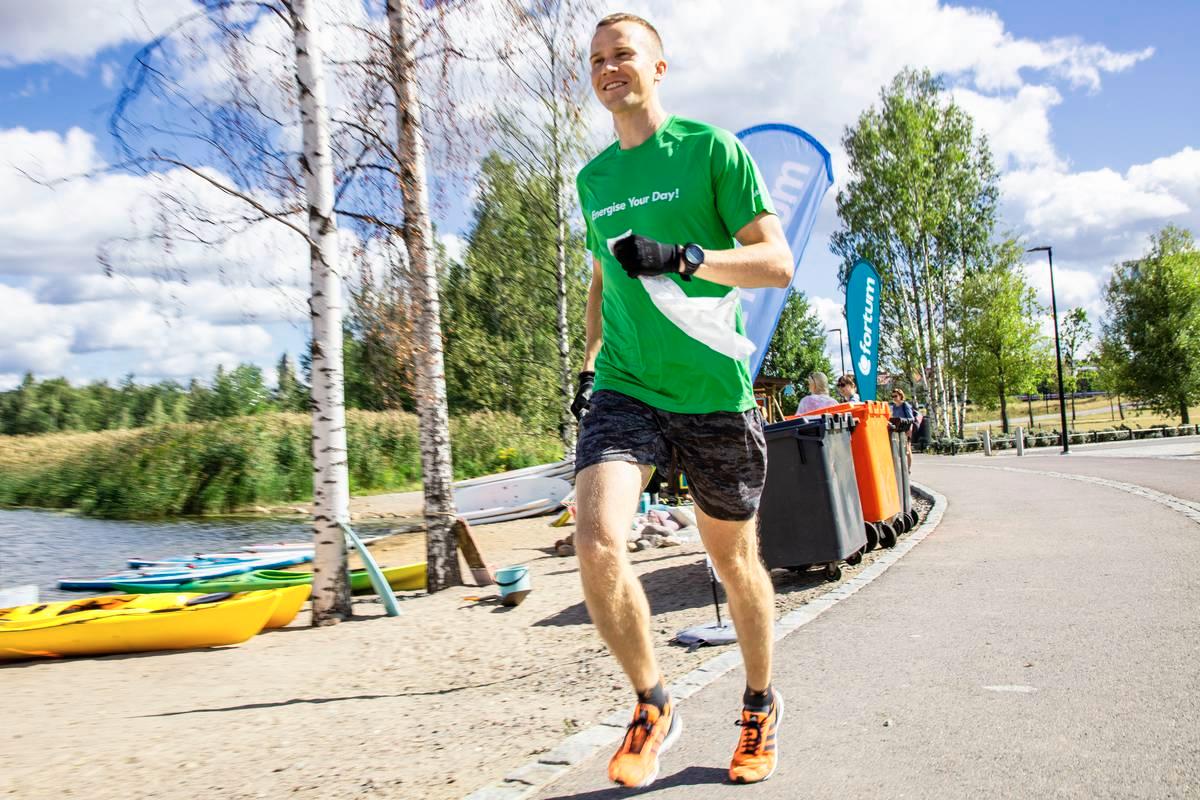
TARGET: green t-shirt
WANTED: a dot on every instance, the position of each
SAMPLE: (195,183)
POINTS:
(689,182)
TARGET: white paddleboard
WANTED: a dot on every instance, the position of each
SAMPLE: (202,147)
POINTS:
(558,469)
(471,516)
(534,511)
(510,495)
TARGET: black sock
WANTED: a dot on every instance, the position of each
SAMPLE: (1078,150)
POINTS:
(656,696)
(757,701)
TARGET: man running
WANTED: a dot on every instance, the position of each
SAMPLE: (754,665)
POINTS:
(671,196)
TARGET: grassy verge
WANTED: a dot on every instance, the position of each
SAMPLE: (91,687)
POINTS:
(977,414)
(217,467)
(1134,418)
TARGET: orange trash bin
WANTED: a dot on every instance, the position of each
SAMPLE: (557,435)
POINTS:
(874,467)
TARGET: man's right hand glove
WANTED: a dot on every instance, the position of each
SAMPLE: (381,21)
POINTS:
(583,395)
(641,255)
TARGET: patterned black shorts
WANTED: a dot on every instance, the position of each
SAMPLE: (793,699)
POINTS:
(723,454)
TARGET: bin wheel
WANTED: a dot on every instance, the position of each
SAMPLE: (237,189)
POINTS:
(872,537)
(855,558)
(887,535)
(900,523)
(833,573)
(913,519)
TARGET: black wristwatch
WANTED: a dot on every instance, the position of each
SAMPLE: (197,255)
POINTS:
(693,257)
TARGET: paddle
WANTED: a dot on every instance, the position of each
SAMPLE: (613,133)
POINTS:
(382,587)
(470,551)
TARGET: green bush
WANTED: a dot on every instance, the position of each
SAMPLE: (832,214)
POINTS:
(222,466)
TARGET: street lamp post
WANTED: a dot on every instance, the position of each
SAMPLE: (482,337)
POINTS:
(1062,403)
(841,347)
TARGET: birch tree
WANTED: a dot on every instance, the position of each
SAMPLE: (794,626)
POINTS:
(920,205)
(230,170)
(331,483)
(441,550)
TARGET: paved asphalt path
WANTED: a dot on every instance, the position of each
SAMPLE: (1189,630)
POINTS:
(1165,465)
(1043,642)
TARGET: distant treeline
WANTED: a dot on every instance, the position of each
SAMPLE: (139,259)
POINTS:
(55,406)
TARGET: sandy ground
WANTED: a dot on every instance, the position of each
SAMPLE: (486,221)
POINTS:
(449,696)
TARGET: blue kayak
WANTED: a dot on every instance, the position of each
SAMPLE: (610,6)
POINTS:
(185,575)
(210,559)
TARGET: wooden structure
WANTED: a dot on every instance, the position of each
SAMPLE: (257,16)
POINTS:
(767,392)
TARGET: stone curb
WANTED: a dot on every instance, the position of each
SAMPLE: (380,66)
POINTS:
(529,779)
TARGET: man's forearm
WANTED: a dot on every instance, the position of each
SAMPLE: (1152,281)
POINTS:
(751,267)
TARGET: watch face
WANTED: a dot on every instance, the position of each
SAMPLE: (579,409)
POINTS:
(694,254)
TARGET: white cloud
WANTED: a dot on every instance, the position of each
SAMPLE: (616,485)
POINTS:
(830,312)
(43,338)
(1017,125)
(108,74)
(1177,174)
(1103,215)
(59,228)
(821,67)
(183,308)
(71,32)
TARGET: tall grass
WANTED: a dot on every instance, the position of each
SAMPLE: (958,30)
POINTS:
(226,465)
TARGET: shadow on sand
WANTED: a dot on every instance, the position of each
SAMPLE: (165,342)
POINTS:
(684,586)
(689,776)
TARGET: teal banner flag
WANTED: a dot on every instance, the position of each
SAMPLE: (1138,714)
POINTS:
(862,326)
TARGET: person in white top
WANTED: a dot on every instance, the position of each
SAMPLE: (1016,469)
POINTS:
(818,395)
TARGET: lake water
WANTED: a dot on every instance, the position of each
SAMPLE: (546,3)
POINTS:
(39,547)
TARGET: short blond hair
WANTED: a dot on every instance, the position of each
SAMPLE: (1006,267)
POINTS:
(818,382)
(613,19)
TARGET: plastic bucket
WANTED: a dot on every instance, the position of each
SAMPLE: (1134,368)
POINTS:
(514,584)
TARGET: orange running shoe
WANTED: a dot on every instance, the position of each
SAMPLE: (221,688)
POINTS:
(757,752)
(648,736)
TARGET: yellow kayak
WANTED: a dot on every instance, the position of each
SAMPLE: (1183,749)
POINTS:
(139,623)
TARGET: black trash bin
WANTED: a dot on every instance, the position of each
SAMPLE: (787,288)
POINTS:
(899,428)
(810,512)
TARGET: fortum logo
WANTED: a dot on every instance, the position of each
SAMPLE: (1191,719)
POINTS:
(867,342)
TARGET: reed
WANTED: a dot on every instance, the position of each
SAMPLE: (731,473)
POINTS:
(231,464)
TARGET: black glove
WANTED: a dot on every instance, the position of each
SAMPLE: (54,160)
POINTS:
(583,395)
(640,255)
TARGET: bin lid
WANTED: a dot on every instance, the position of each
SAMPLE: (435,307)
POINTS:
(861,409)
(815,425)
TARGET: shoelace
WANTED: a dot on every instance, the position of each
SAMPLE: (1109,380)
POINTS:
(641,724)
(751,734)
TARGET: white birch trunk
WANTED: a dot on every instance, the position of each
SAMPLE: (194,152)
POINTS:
(331,486)
(566,419)
(434,421)
(564,341)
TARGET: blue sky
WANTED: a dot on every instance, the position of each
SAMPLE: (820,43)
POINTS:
(1090,107)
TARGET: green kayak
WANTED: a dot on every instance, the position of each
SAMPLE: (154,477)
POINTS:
(407,577)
